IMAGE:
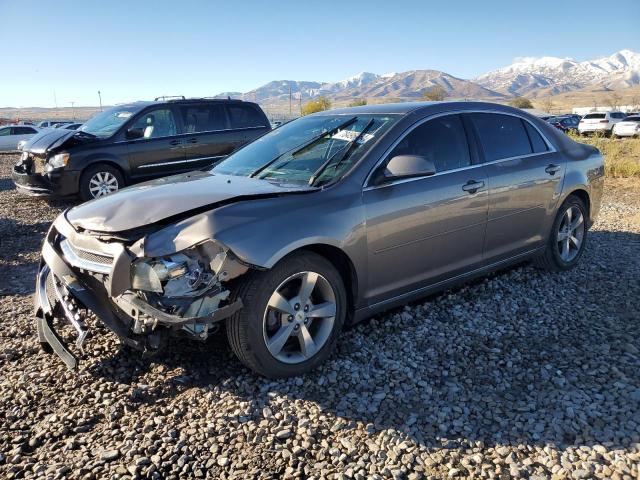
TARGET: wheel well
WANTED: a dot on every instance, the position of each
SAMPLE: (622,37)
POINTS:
(584,196)
(106,162)
(343,264)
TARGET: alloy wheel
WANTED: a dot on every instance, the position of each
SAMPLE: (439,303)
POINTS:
(299,317)
(570,234)
(103,183)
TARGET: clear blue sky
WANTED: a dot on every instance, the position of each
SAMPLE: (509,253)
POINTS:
(138,49)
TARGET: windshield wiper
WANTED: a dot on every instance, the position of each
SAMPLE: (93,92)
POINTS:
(341,154)
(298,149)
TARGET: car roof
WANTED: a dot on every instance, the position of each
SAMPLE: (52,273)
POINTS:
(17,125)
(145,103)
(406,108)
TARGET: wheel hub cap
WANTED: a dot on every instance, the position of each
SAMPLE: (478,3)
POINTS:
(103,183)
(570,234)
(299,317)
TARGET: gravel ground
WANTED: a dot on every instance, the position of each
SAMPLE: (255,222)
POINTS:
(523,374)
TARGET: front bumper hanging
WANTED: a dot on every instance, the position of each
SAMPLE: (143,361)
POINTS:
(62,289)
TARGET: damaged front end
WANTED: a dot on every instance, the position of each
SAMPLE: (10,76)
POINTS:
(142,299)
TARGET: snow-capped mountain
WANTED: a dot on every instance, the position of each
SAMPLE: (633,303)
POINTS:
(554,75)
(405,85)
(359,80)
(528,76)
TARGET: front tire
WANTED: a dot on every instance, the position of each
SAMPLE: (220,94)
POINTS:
(100,180)
(568,237)
(291,318)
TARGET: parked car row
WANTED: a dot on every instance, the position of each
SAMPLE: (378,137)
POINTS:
(136,142)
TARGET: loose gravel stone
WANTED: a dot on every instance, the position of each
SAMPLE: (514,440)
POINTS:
(524,374)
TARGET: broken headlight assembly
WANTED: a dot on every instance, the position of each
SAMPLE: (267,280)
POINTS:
(184,289)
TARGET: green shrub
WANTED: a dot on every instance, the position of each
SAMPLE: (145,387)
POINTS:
(318,105)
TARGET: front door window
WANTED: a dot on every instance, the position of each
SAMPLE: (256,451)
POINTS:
(157,123)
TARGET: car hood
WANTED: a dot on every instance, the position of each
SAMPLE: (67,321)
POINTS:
(160,199)
(51,139)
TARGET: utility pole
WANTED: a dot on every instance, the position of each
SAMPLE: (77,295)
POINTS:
(100,98)
(73,110)
(289,101)
(55,99)
(300,102)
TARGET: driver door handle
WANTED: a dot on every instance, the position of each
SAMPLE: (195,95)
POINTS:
(552,169)
(472,186)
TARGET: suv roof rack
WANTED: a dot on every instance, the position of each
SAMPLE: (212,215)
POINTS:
(169,97)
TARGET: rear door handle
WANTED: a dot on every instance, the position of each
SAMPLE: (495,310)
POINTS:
(472,186)
(552,169)
(175,142)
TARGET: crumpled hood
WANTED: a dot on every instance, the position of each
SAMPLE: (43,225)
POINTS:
(45,139)
(166,197)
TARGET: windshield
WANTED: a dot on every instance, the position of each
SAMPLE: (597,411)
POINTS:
(108,122)
(314,149)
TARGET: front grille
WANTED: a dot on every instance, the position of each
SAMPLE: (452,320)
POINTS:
(49,289)
(91,256)
(84,259)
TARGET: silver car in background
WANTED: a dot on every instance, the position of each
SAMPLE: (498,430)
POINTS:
(11,135)
(322,222)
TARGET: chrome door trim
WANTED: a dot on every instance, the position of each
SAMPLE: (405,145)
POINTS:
(550,146)
(174,162)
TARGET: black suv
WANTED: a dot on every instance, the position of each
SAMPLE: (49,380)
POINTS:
(135,142)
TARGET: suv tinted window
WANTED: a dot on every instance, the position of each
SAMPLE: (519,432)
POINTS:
(245,116)
(537,142)
(203,118)
(441,140)
(502,136)
(593,115)
(5,131)
(157,123)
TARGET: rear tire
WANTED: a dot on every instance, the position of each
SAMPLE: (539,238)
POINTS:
(253,332)
(100,180)
(567,239)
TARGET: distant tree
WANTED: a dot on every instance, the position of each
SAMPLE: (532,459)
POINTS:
(635,103)
(547,104)
(435,94)
(613,101)
(521,102)
(318,105)
(359,102)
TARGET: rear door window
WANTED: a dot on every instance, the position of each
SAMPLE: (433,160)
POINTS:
(502,136)
(157,123)
(441,140)
(537,142)
(245,116)
(590,116)
(203,118)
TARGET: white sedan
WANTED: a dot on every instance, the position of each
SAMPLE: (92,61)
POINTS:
(628,127)
(10,135)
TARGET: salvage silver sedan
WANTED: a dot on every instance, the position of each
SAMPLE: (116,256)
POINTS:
(325,221)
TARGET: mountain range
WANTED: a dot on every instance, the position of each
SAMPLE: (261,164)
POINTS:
(531,77)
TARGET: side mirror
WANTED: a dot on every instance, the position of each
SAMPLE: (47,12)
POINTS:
(133,133)
(408,166)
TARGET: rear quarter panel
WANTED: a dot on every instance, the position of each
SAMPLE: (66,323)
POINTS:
(585,171)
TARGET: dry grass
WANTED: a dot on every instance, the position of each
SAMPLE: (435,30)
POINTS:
(622,156)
